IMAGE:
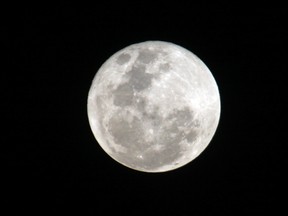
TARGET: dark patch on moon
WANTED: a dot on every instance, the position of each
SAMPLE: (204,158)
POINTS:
(182,117)
(153,159)
(123,58)
(132,136)
(123,95)
(155,119)
(140,104)
(165,67)
(139,79)
(192,136)
(128,135)
(146,56)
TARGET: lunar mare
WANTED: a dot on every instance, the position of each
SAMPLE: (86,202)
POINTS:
(153,106)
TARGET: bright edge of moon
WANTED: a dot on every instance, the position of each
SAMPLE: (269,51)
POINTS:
(153,106)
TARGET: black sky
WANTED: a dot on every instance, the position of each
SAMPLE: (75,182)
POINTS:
(52,163)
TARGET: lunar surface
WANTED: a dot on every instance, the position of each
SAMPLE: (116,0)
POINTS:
(153,106)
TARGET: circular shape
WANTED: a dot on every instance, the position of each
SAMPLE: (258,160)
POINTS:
(153,106)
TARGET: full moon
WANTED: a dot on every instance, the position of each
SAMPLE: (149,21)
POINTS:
(153,106)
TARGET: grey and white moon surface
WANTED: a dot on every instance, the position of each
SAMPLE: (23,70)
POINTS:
(153,106)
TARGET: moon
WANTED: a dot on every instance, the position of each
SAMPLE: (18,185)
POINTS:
(153,106)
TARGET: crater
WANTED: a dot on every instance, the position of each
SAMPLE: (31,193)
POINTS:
(123,58)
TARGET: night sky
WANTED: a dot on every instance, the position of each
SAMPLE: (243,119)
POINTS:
(52,162)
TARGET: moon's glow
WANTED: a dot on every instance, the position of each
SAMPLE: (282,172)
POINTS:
(153,106)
